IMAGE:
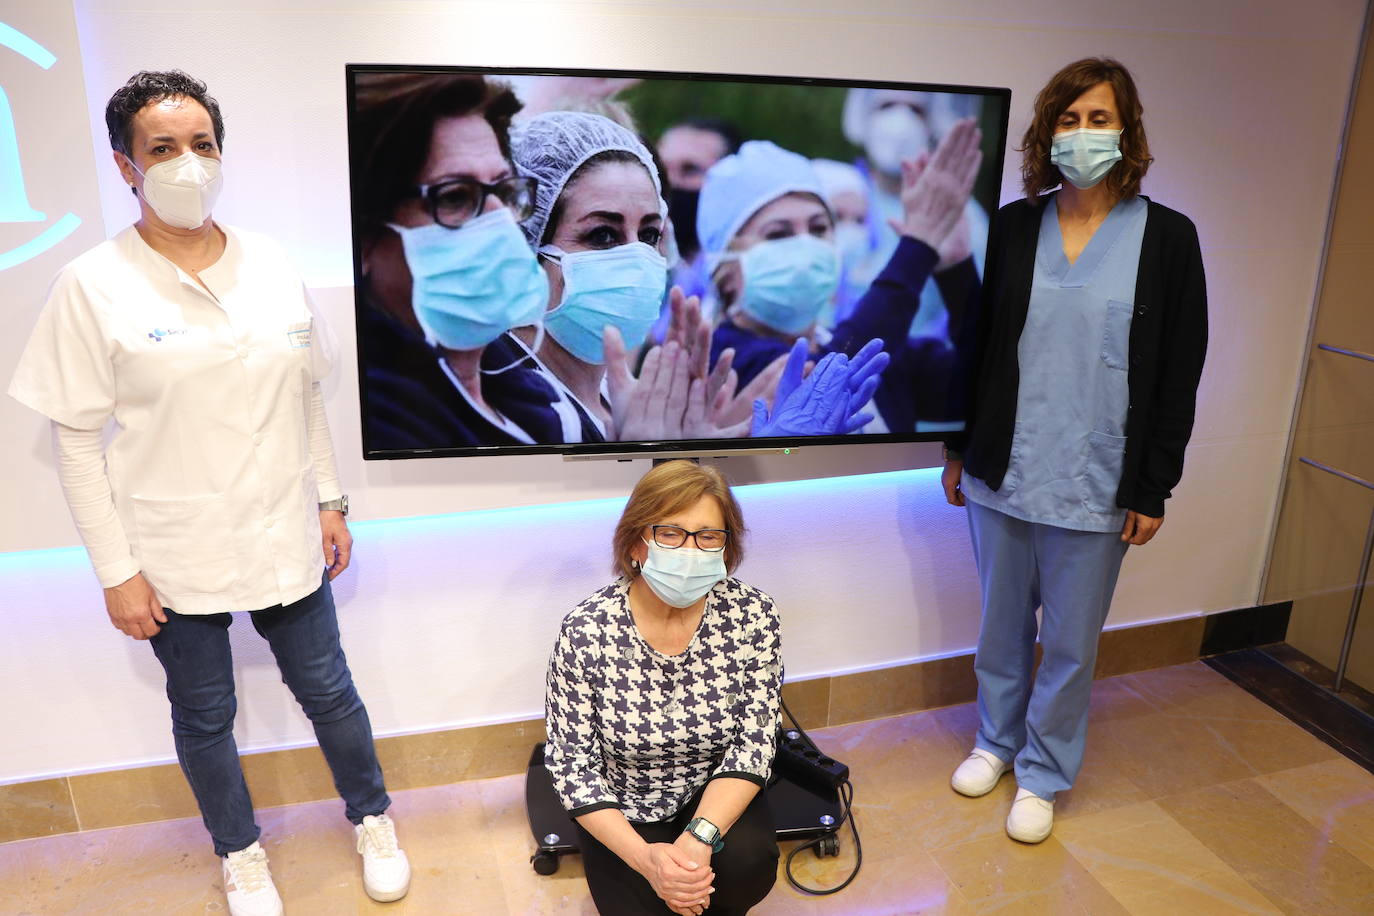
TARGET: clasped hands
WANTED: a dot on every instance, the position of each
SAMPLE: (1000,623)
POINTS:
(680,873)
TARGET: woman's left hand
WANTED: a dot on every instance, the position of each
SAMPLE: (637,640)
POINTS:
(1139,528)
(699,853)
(338,542)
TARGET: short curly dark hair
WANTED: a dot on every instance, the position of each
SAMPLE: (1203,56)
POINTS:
(148,87)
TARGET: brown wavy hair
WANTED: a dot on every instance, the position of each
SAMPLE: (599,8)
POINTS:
(1038,174)
(668,488)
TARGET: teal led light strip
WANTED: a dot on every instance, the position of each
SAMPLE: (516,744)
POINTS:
(14,202)
(23,45)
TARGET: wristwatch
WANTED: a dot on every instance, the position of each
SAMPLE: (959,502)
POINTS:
(705,831)
(335,505)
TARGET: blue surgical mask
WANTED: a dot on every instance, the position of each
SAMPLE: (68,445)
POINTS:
(788,281)
(683,575)
(470,285)
(622,286)
(1084,156)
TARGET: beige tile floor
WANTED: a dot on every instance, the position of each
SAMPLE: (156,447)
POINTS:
(1195,799)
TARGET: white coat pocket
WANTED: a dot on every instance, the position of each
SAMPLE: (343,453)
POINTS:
(186,546)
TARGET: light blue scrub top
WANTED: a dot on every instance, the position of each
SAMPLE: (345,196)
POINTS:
(1070,433)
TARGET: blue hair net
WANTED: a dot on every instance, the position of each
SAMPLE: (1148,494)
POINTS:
(739,185)
(552,146)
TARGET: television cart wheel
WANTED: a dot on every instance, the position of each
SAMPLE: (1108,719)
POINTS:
(828,846)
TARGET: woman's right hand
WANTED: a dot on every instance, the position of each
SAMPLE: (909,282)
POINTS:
(677,879)
(133,608)
(950,479)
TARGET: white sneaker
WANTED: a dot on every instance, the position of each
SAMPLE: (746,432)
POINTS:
(978,774)
(248,884)
(386,870)
(1031,817)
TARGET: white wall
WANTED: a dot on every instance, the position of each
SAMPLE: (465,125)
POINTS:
(447,620)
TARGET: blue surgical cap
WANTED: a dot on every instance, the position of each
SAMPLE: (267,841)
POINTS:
(741,184)
(552,146)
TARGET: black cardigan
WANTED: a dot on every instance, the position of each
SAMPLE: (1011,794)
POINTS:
(1168,342)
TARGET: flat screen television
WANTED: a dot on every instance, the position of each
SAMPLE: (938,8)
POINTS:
(613,262)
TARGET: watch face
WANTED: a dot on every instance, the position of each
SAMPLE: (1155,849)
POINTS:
(704,831)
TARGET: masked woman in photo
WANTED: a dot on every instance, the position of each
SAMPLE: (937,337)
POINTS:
(1084,376)
(598,225)
(662,702)
(445,268)
(769,239)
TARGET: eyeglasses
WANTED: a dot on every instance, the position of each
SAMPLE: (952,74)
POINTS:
(454,201)
(673,537)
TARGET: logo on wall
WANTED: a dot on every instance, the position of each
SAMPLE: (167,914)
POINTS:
(14,199)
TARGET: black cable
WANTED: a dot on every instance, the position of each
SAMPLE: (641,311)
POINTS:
(845,791)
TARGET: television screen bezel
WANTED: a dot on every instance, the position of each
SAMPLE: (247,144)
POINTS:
(637,448)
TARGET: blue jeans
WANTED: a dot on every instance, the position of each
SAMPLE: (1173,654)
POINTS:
(304,637)
(1070,575)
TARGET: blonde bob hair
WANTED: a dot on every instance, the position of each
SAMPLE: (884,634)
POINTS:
(668,488)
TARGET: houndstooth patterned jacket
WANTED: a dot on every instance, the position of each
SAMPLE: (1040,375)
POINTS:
(631,728)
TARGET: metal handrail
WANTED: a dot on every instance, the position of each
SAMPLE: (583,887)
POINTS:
(1358,597)
(1344,475)
(1358,354)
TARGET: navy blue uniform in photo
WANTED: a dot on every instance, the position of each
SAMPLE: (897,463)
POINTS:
(411,403)
(916,383)
(505,350)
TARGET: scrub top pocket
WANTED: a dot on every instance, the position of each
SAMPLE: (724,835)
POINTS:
(1101,476)
(1116,334)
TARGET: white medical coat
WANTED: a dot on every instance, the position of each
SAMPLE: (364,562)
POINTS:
(220,452)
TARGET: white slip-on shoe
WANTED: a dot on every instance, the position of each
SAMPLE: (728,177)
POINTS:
(248,884)
(1031,818)
(386,870)
(978,774)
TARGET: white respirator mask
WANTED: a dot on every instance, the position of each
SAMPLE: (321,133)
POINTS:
(182,191)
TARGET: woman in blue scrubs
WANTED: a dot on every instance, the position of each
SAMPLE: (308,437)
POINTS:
(1083,379)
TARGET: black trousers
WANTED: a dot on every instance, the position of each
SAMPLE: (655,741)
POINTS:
(745,869)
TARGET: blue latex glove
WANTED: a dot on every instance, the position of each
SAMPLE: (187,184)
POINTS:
(818,406)
(792,373)
(865,372)
(829,401)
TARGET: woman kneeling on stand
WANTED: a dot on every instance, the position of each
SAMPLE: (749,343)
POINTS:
(662,704)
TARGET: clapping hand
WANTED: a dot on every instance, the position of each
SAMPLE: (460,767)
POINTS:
(690,329)
(936,186)
(650,407)
(827,402)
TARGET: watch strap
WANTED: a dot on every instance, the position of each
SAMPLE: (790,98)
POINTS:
(335,505)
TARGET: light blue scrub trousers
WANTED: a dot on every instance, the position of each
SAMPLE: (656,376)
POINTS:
(1041,725)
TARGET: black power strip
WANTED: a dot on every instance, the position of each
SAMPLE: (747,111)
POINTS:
(806,763)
